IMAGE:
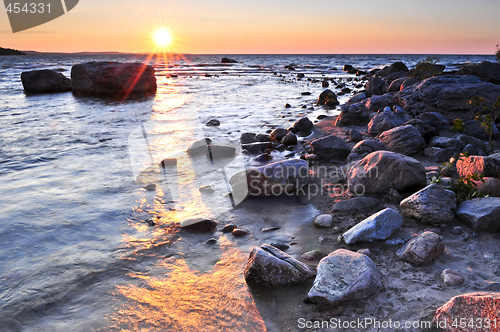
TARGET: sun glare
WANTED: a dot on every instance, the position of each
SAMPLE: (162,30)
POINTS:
(162,38)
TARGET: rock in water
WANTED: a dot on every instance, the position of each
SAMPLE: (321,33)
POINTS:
(343,276)
(283,177)
(431,205)
(330,148)
(448,95)
(422,249)
(328,98)
(405,140)
(228,60)
(379,226)
(113,78)
(380,171)
(270,266)
(45,81)
(377,86)
(199,225)
(481,214)
(289,139)
(278,134)
(480,307)
(488,71)
(213,123)
(304,124)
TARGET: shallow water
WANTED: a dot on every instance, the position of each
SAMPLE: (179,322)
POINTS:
(76,250)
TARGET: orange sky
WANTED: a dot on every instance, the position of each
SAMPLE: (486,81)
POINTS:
(269,26)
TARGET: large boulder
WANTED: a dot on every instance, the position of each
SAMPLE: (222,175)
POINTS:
(376,86)
(435,119)
(448,95)
(480,308)
(351,119)
(488,71)
(422,249)
(481,214)
(409,82)
(385,121)
(113,78)
(45,81)
(425,130)
(379,226)
(431,205)
(376,102)
(328,98)
(396,84)
(303,125)
(283,177)
(330,148)
(343,276)
(404,139)
(364,148)
(481,165)
(270,266)
(381,171)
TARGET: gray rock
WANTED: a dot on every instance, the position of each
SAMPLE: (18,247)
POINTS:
(490,187)
(357,97)
(289,139)
(445,155)
(278,178)
(481,214)
(239,232)
(113,78)
(354,135)
(45,81)
(330,148)
(379,226)
(380,171)
(452,277)
(405,140)
(247,138)
(461,141)
(304,124)
(467,308)
(440,142)
(409,82)
(376,86)
(278,134)
(396,84)
(448,95)
(198,225)
(473,150)
(434,119)
(422,249)
(351,119)
(328,98)
(364,148)
(228,60)
(312,255)
(344,276)
(383,121)
(431,205)
(431,150)
(270,266)
(376,102)
(474,129)
(323,221)
(488,71)
(425,130)
(485,166)
(356,204)
(213,123)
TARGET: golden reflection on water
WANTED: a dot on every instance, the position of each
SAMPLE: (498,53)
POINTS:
(175,297)
(186,300)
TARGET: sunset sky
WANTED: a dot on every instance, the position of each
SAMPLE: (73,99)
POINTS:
(269,26)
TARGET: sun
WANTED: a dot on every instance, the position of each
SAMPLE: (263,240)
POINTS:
(162,38)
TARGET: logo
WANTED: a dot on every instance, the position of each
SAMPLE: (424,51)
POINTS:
(25,15)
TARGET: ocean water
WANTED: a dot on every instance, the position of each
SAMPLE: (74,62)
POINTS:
(77,247)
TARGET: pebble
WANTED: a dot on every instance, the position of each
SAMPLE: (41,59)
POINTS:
(207,189)
(270,229)
(238,232)
(288,105)
(323,221)
(151,186)
(324,239)
(457,230)
(452,277)
(311,255)
(211,241)
(229,228)
(280,245)
(213,123)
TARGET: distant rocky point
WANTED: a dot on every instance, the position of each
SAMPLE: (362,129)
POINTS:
(9,51)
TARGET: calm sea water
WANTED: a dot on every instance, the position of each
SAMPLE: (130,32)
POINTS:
(77,251)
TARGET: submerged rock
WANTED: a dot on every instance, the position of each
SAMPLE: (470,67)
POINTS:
(113,78)
(481,214)
(270,266)
(380,171)
(422,249)
(431,205)
(199,225)
(379,226)
(344,276)
(45,81)
(330,148)
(469,308)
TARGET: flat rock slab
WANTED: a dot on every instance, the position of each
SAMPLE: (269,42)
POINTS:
(270,266)
(422,249)
(379,226)
(481,214)
(431,205)
(480,307)
(381,171)
(344,275)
